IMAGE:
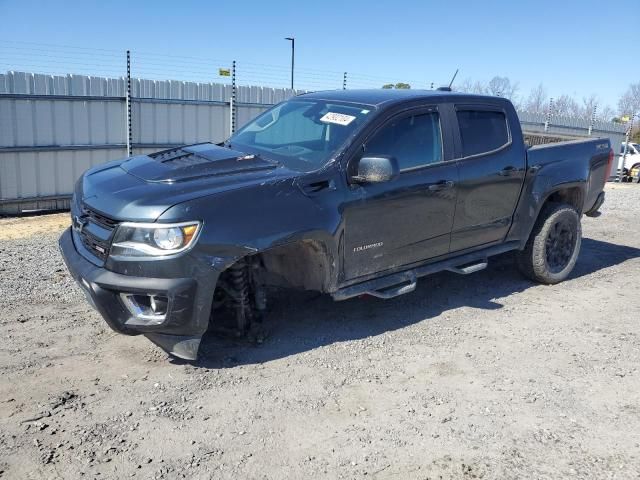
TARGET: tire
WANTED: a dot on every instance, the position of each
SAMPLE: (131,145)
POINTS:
(553,246)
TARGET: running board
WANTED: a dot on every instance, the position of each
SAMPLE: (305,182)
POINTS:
(467,269)
(397,290)
(395,284)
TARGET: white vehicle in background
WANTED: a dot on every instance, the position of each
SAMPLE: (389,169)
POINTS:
(631,166)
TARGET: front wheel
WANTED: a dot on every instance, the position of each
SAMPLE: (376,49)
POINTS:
(553,246)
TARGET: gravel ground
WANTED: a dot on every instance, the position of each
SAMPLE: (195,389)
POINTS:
(486,376)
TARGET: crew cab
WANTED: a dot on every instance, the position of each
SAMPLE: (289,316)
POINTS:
(349,193)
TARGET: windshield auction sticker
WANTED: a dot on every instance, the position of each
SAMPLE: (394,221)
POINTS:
(337,118)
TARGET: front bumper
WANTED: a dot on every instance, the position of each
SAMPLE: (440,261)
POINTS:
(189,301)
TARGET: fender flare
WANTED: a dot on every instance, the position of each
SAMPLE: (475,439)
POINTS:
(580,186)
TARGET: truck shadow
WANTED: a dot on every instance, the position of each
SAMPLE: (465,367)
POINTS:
(302,321)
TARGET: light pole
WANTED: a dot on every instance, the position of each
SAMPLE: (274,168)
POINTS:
(293,56)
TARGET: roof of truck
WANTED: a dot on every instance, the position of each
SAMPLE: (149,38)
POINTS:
(380,96)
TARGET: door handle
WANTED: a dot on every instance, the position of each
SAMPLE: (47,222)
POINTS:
(443,185)
(508,171)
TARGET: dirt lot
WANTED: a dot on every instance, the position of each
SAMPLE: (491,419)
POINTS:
(487,376)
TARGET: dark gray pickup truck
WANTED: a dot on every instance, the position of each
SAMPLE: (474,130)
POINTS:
(343,192)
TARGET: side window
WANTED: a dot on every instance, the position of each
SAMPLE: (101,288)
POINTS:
(415,141)
(482,131)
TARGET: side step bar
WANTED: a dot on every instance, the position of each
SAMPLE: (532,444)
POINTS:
(472,268)
(401,289)
(400,283)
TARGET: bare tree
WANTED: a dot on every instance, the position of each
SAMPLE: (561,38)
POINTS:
(565,106)
(469,86)
(537,100)
(479,87)
(588,105)
(629,103)
(606,114)
(466,86)
(503,87)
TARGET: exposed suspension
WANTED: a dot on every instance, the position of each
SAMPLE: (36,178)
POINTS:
(242,295)
(239,279)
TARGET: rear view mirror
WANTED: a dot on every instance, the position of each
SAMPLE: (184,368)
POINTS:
(376,169)
(265,121)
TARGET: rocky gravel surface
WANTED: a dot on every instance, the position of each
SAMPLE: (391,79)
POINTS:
(487,376)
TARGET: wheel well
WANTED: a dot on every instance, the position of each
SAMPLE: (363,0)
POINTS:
(240,295)
(572,196)
(304,264)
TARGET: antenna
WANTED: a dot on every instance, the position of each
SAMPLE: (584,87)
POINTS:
(454,77)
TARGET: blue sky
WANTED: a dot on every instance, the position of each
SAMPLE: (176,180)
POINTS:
(573,47)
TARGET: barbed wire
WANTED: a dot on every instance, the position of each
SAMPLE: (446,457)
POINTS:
(60,59)
(63,60)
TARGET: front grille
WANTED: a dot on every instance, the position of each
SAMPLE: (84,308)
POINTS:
(97,243)
(101,220)
(96,246)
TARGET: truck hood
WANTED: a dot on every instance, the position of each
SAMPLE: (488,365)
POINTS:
(193,162)
(140,188)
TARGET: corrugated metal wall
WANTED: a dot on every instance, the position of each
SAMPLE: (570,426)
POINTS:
(45,120)
(568,127)
(52,128)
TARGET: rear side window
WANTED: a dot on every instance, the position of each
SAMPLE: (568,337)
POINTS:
(482,131)
(414,140)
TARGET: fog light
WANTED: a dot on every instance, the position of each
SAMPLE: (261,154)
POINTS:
(146,309)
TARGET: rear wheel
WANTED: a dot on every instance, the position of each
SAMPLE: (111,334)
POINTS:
(553,247)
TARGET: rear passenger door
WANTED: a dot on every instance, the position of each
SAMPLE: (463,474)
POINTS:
(491,173)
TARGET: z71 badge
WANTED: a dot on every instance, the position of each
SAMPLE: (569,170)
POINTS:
(362,248)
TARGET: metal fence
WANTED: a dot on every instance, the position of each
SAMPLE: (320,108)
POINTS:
(564,128)
(53,127)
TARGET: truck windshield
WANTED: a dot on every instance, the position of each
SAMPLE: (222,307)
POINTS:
(302,134)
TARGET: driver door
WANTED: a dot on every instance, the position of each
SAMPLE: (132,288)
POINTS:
(408,219)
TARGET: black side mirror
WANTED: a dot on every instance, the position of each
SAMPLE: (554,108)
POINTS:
(376,169)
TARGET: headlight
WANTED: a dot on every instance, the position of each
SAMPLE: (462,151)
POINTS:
(148,240)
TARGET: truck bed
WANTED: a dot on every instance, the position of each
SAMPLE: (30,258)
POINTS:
(577,161)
